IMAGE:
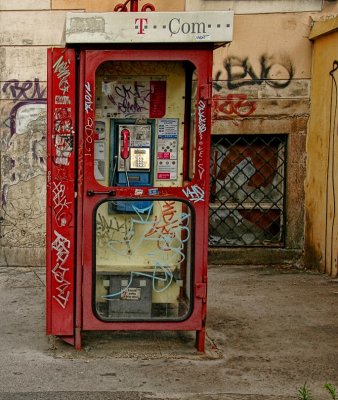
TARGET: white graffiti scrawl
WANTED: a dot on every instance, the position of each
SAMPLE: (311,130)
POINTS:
(61,204)
(88,98)
(194,193)
(202,127)
(61,246)
(61,69)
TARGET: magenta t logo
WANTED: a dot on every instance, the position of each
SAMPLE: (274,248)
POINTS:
(140,23)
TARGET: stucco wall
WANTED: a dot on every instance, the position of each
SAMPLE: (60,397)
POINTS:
(274,45)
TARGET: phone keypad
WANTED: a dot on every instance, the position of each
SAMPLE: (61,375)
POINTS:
(140,158)
(139,162)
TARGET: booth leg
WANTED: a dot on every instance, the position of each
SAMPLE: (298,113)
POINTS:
(200,340)
(78,342)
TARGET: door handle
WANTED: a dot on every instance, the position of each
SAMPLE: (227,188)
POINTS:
(92,193)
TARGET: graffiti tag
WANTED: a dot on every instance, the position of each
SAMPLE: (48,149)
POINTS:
(88,98)
(27,90)
(202,127)
(232,105)
(61,246)
(194,193)
(241,72)
(128,99)
(61,204)
(61,69)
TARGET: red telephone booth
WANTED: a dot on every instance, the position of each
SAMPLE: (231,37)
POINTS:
(129,102)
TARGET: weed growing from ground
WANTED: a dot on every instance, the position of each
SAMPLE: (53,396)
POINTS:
(304,392)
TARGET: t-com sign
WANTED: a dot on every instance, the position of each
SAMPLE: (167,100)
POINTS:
(164,27)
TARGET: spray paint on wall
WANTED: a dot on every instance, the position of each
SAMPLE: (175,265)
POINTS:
(23,163)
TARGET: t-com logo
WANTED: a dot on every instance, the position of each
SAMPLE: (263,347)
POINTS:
(175,26)
(140,24)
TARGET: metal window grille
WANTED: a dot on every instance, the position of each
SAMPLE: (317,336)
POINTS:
(247,190)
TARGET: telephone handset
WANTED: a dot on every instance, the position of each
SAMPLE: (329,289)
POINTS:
(125,136)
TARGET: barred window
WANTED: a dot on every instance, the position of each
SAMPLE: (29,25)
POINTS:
(247,189)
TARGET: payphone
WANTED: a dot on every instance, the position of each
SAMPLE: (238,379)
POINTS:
(131,158)
(129,117)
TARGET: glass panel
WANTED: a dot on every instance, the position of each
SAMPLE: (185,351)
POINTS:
(140,121)
(143,260)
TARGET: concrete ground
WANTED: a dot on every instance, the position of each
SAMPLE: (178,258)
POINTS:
(270,330)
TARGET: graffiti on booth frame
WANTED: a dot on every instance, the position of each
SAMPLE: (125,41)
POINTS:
(61,204)
(61,186)
(194,193)
(89,134)
(61,245)
(201,130)
(62,72)
(275,71)
(63,131)
(201,117)
(164,236)
(62,100)
(88,98)
(63,135)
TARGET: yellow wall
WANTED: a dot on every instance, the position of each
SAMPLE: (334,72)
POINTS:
(321,230)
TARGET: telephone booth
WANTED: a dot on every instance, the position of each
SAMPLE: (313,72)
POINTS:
(129,115)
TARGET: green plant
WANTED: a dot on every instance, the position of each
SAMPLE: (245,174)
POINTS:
(332,390)
(304,393)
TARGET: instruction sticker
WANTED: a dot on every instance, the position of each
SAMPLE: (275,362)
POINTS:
(167,149)
(131,294)
(167,169)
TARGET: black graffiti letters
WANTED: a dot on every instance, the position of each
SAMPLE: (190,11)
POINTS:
(26,90)
(130,98)
(275,72)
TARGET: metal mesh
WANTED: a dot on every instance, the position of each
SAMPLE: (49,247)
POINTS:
(247,190)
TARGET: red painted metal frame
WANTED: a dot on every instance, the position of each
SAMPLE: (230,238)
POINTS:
(196,192)
(122,7)
(61,213)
